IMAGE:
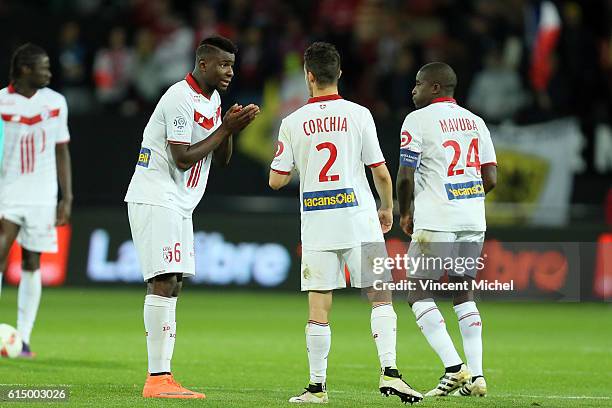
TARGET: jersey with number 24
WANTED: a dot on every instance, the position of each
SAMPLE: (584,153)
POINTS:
(448,145)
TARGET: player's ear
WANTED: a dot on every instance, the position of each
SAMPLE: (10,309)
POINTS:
(339,74)
(202,64)
(311,77)
(435,88)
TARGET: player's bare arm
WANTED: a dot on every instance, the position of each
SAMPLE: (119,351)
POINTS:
(64,175)
(278,180)
(223,153)
(489,177)
(234,120)
(405,197)
(384,188)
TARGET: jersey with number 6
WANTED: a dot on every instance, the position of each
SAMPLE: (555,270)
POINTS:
(328,141)
(184,115)
(448,145)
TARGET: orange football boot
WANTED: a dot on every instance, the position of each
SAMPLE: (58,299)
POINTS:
(164,386)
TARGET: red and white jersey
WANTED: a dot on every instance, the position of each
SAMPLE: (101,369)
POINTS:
(447,145)
(32,128)
(183,115)
(328,141)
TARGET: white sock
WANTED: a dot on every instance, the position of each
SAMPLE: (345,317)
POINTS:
(471,332)
(28,299)
(158,327)
(383,322)
(172,338)
(318,343)
(0,284)
(431,322)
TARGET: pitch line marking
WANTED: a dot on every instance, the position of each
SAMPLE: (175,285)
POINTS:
(553,396)
(570,397)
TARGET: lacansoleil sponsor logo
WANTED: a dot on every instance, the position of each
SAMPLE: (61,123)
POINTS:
(461,191)
(328,199)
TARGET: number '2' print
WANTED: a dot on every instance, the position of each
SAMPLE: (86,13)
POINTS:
(333,155)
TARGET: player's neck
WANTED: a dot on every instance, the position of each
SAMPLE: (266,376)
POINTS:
(198,77)
(441,97)
(24,89)
(330,90)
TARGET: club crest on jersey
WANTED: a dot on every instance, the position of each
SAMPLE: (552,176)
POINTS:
(461,191)
(280,147)
(206,123)
(405,139)
(329,199)
(144,157)
(167,254)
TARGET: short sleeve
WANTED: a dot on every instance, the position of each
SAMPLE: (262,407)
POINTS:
(487,151)
(371,154)
(178,114)
(63,135)
(283,161)
(411,142)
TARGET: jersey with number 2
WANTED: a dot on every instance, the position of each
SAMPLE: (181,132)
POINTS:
(328,141)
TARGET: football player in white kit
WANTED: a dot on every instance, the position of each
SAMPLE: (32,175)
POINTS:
(184,134)
(447,165)
(35,157)
(329,141)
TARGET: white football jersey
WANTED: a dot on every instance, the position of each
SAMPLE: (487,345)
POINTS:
(448,145)
(328,141)
(183,115)
(32,128)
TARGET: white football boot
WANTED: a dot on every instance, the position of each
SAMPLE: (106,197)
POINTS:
(477,388)
(313,394)
(449,382)
(391,383)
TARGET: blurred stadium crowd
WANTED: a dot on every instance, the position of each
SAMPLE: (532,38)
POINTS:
(121,55)
(113,59)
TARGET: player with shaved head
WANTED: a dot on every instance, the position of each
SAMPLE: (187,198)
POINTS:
(436,73)
(447,165)
(184,134)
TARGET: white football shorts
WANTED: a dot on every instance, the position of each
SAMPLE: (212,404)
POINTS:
(163,239)
(324,270)
(37,231)
(432,253)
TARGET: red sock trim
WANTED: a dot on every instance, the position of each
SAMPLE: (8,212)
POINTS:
(468,315)
(427,311)
(382,304)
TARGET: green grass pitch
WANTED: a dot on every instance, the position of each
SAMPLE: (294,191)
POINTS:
(247,350)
